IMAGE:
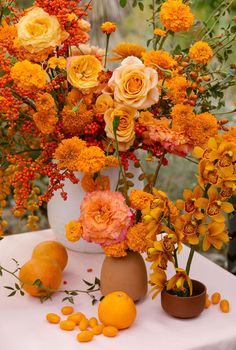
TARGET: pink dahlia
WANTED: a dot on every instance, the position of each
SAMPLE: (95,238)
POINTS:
(105,217)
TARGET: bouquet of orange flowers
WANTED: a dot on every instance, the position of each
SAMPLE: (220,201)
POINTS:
(64,111)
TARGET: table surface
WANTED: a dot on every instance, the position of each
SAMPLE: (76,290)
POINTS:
(23,325)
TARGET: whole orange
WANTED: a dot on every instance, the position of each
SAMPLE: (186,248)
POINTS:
(43,269)
(53,250)
(117,309)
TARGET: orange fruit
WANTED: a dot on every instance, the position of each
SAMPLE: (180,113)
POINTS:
(53,250)
(45,270)
(117,309)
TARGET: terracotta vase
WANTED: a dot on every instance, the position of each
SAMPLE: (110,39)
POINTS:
(185,307)
(127,274)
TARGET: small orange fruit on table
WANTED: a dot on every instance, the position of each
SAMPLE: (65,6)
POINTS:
(45,270)
(117,309)
(52,250)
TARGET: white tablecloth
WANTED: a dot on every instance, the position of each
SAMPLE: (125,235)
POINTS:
(23,325)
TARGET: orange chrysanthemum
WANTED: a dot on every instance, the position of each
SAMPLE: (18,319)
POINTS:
(108,27)
(68,152)
(45,121)
(176,16)
(157,59)
(159,32)
(91,160)
(23,54)
(28,76)
(74,122)
(201,52)
(126,49)
(205,127)
(137,238)
(177,87)
(140,199)
(116,250)
(73,231)
(45,102)
(112,161)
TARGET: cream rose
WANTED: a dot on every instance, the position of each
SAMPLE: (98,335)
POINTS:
(37,31)
(134,84)
(82,71)
(125,132)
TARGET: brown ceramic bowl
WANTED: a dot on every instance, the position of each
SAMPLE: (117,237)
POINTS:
(185,307)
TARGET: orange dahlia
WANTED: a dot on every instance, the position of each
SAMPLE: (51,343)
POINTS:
(176,16)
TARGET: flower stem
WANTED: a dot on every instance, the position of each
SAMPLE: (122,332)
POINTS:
(106,53)
(176,258)
(158,169)
(190,258)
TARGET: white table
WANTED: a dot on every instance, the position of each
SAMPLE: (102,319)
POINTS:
(23,325)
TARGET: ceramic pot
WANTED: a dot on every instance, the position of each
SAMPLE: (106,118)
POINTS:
(61,212)
(127,274)
(185,307)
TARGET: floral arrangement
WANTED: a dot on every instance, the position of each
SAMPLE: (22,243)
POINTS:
(64,111)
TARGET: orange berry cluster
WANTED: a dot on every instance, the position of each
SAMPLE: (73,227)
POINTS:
(89,327)
(216,299)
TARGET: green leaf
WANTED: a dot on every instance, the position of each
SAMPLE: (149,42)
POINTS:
(13,293)
(75,108)
(7,287)
(17,286)
(22,293)
(123,3)
(116,122)
(233,29)
(38,283)
(97,281)
(6,11)
(141,6)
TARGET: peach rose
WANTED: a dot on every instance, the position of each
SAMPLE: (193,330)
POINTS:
(103,103)
(105,217)
(37,31)
(134,84)
(82,71)
(86,49)
(125,132)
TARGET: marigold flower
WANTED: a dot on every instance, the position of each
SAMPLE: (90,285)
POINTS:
(91,160)
(201,52)
(101,183)
(177,282)
(157,59)
(140,199)
(108,27)
(45,121)
(126,49)
(105,217)
(59,62)
(176,16)
(28,75)
(205,128)
(74,122)
(116,250)
(215,236)
(45,102)
(177,89)
(68,152)
(159,32)
(73,231)
(146,118)
(137,238)
(112,161)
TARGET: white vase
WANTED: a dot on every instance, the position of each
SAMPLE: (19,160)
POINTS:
(61,212)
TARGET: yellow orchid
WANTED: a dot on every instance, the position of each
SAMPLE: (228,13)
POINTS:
(188,204)
(158,280)
(176,237)
(189,228)
(215,236)
(161,252)
(225,155)
(228,187)
(200,153)
(178,281)
(208,173)
(214,205)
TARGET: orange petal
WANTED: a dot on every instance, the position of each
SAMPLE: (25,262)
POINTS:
(201,203)
(227,207)
(219,218)
(212,194)
(205,245)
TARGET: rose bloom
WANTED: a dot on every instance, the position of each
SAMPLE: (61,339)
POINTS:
(125,132)
(37,30)
(134,84)
(105,217)
(82,71)
(103,103)
(85,49)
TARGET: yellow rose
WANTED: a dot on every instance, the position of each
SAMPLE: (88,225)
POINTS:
(125,132)
(82,71)
(134,84)
(103,103)
(37,30)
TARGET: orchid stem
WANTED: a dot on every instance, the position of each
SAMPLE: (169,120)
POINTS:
(190,258)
